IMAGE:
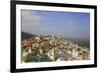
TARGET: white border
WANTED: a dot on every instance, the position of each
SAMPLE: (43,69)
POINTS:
(20,65)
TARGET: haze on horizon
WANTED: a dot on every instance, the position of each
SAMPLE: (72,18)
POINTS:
(64,24)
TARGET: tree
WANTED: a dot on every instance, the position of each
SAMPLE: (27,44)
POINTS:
(31,57)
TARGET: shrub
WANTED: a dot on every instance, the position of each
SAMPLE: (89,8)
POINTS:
(37,58)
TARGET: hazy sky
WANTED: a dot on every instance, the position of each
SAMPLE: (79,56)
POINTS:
(64,24)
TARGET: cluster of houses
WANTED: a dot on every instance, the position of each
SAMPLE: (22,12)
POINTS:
(56,48)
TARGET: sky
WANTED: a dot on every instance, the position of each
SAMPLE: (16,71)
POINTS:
(64,24)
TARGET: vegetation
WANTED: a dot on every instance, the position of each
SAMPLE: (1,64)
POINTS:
(31,57)
(81,42)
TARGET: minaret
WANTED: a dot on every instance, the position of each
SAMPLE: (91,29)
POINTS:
(51,54)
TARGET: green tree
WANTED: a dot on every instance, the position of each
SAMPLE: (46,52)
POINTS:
(37,58)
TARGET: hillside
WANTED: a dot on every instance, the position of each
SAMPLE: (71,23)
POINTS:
(26,35)
(52,48)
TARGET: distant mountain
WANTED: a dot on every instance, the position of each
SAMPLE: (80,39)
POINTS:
(26,35)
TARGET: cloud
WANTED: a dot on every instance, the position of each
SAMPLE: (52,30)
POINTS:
(29,18)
